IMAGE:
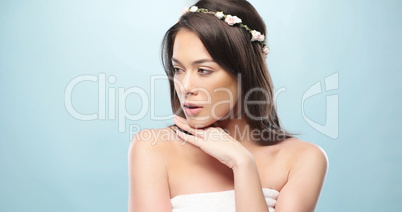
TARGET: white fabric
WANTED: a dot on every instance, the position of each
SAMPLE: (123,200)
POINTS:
(216,201)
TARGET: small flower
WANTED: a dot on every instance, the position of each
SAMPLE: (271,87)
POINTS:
(220,15)
(232,20)
(257,36)
(265,50)
(193,9)
(184,10)
(262,38)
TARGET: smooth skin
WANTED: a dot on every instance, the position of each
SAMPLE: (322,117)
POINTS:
(164,163)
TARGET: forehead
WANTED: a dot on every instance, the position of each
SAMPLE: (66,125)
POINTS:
(188,46)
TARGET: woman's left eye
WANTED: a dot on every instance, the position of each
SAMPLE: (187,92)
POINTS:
(204,71)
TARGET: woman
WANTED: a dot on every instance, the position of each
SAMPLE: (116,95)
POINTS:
(227,150)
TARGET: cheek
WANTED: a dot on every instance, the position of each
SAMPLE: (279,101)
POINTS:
(224,100)
(177,88)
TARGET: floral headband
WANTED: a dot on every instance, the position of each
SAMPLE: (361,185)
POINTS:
(231,21)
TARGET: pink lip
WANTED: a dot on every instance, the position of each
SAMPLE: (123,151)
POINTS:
(191,111)
(190,104)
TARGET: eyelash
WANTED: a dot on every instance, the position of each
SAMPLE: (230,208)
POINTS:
(207,71)
(176,69)
(200,70)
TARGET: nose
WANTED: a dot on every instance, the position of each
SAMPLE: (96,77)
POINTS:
(189,84)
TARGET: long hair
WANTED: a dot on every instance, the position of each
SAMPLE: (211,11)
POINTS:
(231,48)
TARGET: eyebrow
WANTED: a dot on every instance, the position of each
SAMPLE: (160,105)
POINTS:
(195,62)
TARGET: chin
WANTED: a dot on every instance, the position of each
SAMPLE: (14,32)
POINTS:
(197,122)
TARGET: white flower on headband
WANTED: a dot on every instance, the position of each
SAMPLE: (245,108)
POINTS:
(220,15)
(184,10)
(265,50)
(257,36)
(193,9)
(232,20)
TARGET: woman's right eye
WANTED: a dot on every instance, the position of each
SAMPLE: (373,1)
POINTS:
(177,70)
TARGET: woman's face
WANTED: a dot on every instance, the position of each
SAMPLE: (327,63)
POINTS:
(202,82)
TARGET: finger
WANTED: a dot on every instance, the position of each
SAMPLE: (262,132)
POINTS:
(184,126)
(188,138)
(179,118)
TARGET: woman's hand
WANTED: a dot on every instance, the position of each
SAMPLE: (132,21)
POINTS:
(215,142)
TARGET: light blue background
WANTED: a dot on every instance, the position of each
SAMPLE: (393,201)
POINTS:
(51,161)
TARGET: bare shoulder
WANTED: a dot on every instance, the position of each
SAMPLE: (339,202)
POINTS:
(153,140)
(300,148)
(148,177)
(307,171)
(302,152)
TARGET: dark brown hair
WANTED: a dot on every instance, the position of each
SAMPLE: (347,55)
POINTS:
(231,48)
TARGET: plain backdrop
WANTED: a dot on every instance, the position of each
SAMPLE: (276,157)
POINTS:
(53,160)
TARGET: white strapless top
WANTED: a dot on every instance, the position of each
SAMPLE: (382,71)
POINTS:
(216,201)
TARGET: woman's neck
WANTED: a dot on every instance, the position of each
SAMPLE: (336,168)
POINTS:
(239,129)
